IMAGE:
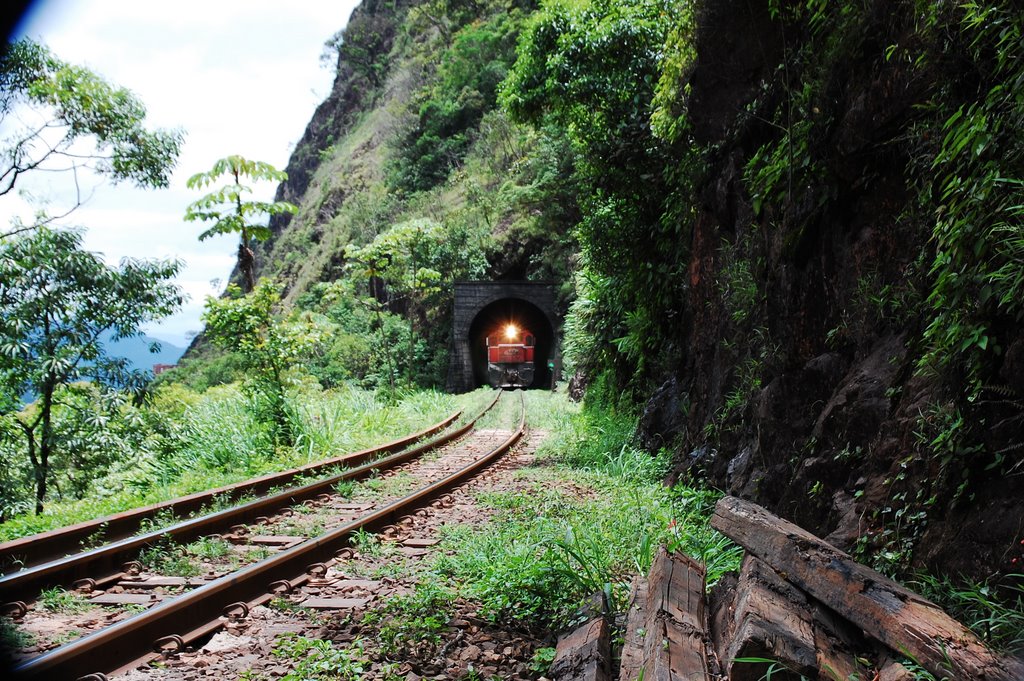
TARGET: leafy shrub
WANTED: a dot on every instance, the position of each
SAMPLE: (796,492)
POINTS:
(993,612)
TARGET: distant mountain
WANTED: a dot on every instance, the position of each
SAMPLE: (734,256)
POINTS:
(136,351)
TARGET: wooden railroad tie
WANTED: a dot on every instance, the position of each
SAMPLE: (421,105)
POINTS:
(797,600)
(902,620)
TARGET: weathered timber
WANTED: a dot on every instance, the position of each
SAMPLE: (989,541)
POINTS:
(836,643)
(674,641)
(632,660)
(721,606)
(584,654)
(899,618)
(771,620)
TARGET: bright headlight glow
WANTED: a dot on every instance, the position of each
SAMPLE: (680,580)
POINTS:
(511,331)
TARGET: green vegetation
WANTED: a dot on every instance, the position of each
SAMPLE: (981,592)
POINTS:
(269,348)
(13,637)
(587,521)
(410,623)
(56,301)
(209,548)
(97,123)
(463,89)
(180,441)
(229,214)
(167,558)
(994,612)
(864,187)
(408,260)
(59,600)
(316,660)
(591,69)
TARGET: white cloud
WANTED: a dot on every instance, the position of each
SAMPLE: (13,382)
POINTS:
(240,76)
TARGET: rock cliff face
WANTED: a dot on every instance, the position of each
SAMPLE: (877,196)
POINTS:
(357,89)
(800,385)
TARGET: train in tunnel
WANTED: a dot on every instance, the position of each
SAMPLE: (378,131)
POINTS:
(510,356)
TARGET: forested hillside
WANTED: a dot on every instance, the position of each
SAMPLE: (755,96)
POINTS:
(789,234)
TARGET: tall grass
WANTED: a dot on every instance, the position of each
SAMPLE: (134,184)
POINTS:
(586,522)
(220,433)
(995,613)
(348,419)
(213,439)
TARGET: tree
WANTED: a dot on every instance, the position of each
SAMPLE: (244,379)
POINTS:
(63,117)
(403,267)
(447,112)
(591,69)
(245,324)
(230,214)
(362,45)
(56,301)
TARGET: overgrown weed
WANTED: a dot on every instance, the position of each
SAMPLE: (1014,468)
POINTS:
(584,524)
(995,613)
(316,659)
(61,601)
(410,626)
(211,440)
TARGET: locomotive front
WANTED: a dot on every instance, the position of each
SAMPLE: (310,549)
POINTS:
(510,357)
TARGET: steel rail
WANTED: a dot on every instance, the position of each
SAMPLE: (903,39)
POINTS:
(120,644)
(46,546)
(104,563)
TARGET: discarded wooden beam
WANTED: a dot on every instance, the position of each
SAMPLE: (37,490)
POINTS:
(584,654)
(837,645)
(721,607)
(902,620)
(771,620)
(674,639)
(632,659)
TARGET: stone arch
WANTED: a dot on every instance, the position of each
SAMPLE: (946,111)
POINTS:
(480,303)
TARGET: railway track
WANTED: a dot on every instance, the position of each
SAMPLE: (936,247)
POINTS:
(44,547)
(305,542)
(103,565)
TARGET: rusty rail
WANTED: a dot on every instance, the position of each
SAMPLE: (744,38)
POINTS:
(47,546)
(195,612)
(104,563)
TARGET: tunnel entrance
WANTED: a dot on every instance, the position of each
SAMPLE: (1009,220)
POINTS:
(519,313)
(481,307)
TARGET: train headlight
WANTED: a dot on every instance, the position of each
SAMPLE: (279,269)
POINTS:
(511,331)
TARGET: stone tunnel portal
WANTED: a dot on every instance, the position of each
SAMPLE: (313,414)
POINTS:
(523,314)
(480,306)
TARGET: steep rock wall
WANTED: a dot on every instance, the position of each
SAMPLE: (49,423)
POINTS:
(800,386)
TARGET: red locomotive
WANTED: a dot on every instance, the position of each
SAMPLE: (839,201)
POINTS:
(510,357)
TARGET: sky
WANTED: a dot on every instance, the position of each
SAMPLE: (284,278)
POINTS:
(239,76)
